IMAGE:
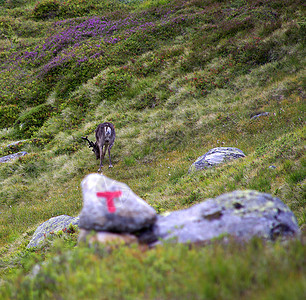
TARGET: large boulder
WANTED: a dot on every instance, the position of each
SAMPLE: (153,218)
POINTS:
(112,206)
(53,225)
(242,214)
(216,156)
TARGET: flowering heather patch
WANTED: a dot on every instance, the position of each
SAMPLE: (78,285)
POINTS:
(77,32)
(78,49)
(84,46)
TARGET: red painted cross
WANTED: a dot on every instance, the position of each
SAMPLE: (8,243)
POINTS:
(109,196)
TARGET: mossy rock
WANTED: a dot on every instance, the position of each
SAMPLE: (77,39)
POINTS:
(240,214)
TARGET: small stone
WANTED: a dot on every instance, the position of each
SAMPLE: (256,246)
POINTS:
(260,115)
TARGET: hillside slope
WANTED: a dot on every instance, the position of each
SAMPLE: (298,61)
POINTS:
(176,78)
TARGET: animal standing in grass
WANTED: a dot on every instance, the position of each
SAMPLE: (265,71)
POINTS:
(105,137)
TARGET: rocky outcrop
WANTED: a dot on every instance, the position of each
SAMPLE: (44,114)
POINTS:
(112,206)
(119,216)
(214,157)
(53,225)
(10,157)
(241,214)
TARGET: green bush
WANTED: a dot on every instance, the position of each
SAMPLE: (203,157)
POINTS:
(27,90)
(32,120)
(8,115)
(146,100)
(68,148)
(114,82)
(46,9)
(12,3)
(72,8)
(137,44)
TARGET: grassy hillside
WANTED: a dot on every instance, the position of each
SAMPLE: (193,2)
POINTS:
(177,78)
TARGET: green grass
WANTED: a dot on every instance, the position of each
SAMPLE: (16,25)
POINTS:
(190,81)
(169,272)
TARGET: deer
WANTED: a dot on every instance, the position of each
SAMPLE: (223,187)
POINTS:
(105,137)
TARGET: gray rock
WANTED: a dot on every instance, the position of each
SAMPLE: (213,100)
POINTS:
(242,214)
(125,212)
(10,157)
(54,224)
(214,157)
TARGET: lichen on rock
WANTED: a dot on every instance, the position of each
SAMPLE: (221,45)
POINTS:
(241,214)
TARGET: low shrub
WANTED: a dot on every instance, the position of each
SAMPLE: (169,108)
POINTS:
(146,100)
(67,148)
(8,115)
(113,82)
(73,9)
(12,3)
(255,51)
(46,9)
(32,120)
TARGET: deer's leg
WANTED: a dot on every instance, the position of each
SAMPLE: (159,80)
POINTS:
(109,155)
(101,158)
(105,148)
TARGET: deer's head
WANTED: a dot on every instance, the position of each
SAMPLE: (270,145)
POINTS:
(92,145)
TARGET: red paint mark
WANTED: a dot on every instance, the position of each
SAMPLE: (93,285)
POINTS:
(109,196)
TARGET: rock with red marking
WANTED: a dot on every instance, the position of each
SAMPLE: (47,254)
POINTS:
(112,206)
